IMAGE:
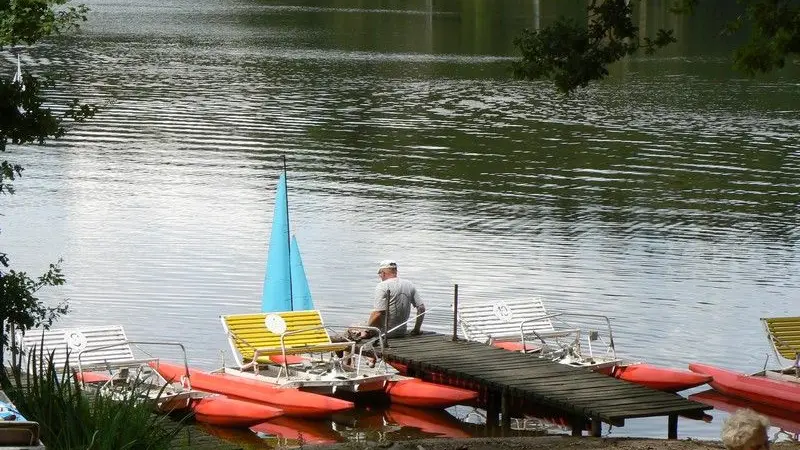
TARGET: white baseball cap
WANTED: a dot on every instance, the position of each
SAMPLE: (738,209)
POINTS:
(388,264)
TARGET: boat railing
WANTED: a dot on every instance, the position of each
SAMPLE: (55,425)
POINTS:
(544,335)
(569,329)
(370,343)
(382,339)
(594,335)
(410,319)
(185,381)
(284,353)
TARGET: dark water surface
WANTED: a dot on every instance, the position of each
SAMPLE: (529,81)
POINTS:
(665,197)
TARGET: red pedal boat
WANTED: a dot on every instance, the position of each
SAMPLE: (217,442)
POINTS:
(217,410)
(768,388)
(293,402)
(660,378)
(422,394)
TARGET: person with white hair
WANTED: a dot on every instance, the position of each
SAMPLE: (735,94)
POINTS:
(745,429)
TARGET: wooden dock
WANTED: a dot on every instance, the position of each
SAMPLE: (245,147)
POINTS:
(510,382)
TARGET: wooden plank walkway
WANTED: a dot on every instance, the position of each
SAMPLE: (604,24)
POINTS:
(579,394)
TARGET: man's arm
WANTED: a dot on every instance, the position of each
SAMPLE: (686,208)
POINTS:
(375,319)
(418,322)
(417,302)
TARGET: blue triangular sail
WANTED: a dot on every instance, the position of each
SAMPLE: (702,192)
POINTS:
(277,280)
(301,293)
(285,284)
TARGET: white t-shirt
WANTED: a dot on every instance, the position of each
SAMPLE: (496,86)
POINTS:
(401,295)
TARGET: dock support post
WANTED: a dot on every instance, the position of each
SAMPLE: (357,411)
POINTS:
(492,409)
(505,410)
(455,312)
(672,426)
(577,424)
(597,427)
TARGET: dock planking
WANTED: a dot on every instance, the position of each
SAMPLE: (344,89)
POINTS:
(576,393)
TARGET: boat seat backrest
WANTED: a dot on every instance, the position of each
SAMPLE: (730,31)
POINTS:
(67,343)
(784,335)
(488,321)
(304,332)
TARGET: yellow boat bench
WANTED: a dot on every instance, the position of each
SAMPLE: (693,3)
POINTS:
(784,336)
(264,335)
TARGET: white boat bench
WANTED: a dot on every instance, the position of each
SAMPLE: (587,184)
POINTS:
(509,320)
(99,347)
(106,353)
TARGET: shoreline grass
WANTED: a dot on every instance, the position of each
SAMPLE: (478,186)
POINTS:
(72,418)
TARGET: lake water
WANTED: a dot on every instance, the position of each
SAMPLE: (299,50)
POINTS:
(665,197)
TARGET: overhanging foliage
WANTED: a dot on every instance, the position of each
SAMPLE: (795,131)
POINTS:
(573,54)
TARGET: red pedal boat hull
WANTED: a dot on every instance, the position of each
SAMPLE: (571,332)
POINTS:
(756,388)
(422,394)
(293,402)
(660,378)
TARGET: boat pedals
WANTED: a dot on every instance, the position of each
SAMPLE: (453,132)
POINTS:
(337,369)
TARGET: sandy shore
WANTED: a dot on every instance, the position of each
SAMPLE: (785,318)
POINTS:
(541,443)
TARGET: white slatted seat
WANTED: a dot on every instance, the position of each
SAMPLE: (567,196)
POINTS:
(101,347)
(507,320)
(91,351)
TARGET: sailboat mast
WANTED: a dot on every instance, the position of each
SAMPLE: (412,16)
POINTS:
(288,233)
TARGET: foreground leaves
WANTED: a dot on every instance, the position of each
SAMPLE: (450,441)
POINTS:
(24,119)
(774,35)
(573,54)
(28,21)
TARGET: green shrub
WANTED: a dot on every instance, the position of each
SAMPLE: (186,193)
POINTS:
(71,418)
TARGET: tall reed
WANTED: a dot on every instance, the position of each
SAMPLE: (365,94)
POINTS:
(70,418)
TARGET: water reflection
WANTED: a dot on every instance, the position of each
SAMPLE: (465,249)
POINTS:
(785,424)
(370,425)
